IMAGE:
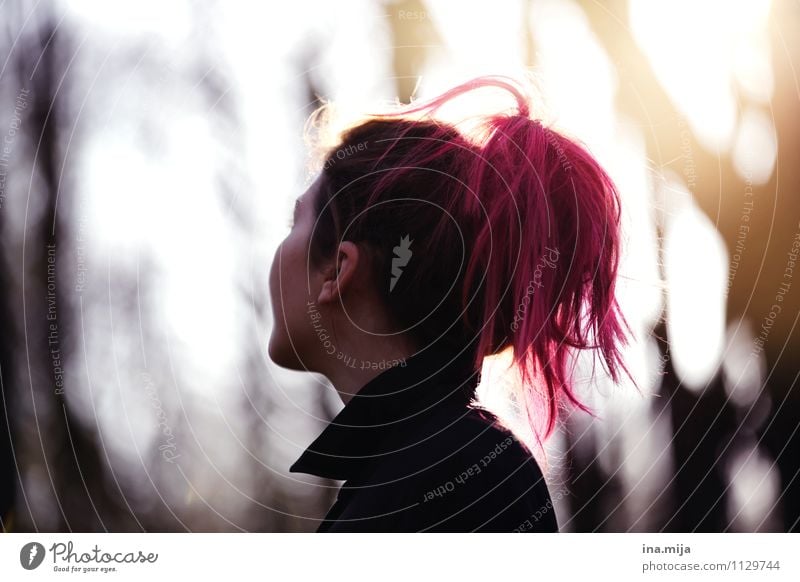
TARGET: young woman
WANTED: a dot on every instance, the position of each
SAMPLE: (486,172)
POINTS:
(421,248)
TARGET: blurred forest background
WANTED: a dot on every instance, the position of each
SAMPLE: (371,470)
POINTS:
(150,156)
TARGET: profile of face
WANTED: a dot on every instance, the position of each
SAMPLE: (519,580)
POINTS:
(290,292)
(300,292)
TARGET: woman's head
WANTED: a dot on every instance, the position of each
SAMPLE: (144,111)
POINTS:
(502,236)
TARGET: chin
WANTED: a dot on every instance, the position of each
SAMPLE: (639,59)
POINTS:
(283,355)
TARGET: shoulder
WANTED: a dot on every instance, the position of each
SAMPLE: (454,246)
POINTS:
(478,437)
(473,474)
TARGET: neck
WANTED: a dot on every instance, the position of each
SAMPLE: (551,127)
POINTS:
(349,373)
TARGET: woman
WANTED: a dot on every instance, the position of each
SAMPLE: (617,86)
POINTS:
(421,248)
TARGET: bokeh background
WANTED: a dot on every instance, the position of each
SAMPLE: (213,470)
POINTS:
(151,153)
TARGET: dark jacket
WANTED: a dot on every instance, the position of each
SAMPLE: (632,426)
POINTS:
(415,456)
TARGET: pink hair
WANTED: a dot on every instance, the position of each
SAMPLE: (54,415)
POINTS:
(511,193)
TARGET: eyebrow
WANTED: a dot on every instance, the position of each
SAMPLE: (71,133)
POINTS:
(296,208)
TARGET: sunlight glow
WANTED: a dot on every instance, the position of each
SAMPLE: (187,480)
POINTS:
(577,73)
(699,50)
(755,150)
(500,50)
(695,265)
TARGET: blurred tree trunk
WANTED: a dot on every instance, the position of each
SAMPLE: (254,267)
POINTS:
(8,468)
(56,451)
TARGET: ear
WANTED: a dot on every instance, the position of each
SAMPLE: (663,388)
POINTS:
(340,277)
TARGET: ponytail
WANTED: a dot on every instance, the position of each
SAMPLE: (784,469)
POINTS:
(548,251)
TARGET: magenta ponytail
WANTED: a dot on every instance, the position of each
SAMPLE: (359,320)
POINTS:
(549,248)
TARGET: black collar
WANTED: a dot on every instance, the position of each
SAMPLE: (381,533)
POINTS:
(388,407)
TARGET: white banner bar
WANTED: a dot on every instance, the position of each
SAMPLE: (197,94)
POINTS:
(401,557)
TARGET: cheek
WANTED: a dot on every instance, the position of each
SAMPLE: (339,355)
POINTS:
(286,276)
(281,284)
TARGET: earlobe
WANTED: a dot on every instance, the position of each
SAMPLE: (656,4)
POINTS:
(327,292)
(338,278)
